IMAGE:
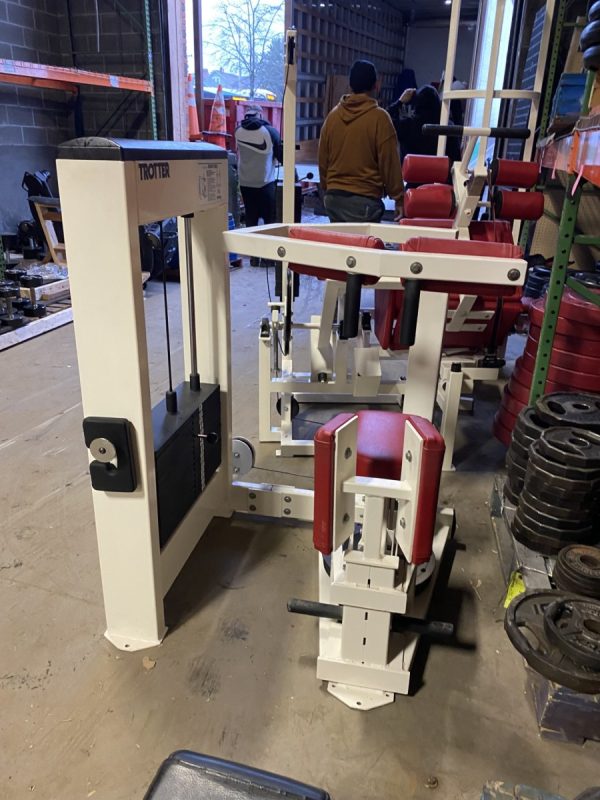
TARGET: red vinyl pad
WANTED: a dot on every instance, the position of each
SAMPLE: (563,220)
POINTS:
(433,200)
(518,174)
(518,205)
(426,169)
(380,443)
(349,240)
(499,230)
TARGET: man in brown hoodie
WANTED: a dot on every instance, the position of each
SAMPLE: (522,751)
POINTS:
(358,153)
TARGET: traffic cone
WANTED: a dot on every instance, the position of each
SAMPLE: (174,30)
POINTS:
(217,128)
(194,128)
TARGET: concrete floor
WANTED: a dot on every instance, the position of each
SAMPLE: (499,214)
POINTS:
(235,676)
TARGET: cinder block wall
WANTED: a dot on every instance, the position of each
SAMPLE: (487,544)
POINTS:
(34,121)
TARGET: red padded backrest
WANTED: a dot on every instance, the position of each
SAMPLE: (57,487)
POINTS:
(462,247)
(349,240)
(380,444)
(426,169)
(499,230)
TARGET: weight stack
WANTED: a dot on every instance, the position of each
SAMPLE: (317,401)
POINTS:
(574,362)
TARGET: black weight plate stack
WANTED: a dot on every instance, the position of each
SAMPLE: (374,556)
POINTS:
(528,429)
(537,281)
(558,501)
(574,409)
(590,279)
(577,570)
(525,626)
(573,625)
(594,12)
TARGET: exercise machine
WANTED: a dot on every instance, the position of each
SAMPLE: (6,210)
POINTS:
(444,197)
(160,473)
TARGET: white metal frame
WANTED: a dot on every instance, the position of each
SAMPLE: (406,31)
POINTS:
(372,578)
(354,373)
(113,364)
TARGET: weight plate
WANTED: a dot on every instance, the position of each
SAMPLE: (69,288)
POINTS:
(524,625)
(509,494)
(520,385)
(522,438)
(564,325)
(562,358)
(530,424)
(501,433)
(511,404)
(577,569)
(538,459)
(577,509)
(514,468)
(532,537)
(579,381)
(573,626)
(14,321)
(550,482)
(568,497)
(566,522)
(590,35)
(594,12)
(525,378)
(519,452)
(557,532)
(576,447)
(591,57)
(574,409)
(569,344)
(590,279)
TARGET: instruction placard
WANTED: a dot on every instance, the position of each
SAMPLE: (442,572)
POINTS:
(211,188)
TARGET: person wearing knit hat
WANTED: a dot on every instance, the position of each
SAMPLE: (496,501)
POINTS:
(259,151)
(359,163)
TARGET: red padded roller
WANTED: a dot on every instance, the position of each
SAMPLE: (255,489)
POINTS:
(518,174)
(426,169)
(518,205)
(349,240)
(432,201)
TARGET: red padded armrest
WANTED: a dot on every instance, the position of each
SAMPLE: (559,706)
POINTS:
(462,247)
(380,444)
(324,488)
(349,240)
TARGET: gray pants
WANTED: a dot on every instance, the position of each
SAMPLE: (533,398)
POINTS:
(353,208)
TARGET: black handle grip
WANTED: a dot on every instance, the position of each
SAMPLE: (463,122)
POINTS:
(458,130)
(399,624)
(351,307)
(410,312)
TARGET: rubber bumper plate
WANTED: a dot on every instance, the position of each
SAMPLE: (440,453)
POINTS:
(570,344)
(563,359)
(573,625)
(582,381)
(577,570)
(525,627)
(572,409)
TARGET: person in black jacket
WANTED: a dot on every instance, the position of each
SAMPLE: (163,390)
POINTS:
(413,109)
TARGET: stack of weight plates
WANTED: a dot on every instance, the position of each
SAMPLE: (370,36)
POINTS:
(577,570)
(558,635)
(574,363)
(536,283)
(589,41)
(558,503)
(528,429)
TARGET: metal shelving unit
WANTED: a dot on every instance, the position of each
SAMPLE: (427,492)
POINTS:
(579,156)
(65,79)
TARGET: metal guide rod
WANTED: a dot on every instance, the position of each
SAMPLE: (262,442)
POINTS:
(170,395)
(189,270)
(449,70)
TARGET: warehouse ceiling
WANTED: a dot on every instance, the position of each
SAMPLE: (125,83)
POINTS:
(434,9)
